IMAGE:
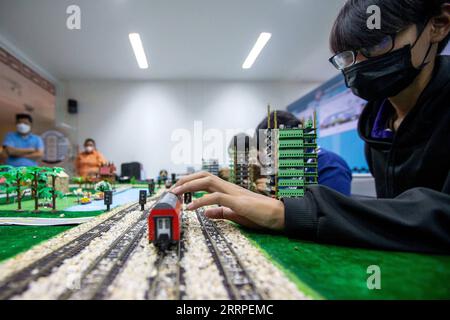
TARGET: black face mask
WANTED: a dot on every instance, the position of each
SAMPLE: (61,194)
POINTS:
(385,76)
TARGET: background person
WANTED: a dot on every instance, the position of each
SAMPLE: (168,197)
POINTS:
(89,161)
(23,148)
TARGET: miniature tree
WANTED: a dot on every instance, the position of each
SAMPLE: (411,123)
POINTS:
(6,172)
(34,174)
(18,176)
(78,180)
(103,186)
(46,193)
(53,173)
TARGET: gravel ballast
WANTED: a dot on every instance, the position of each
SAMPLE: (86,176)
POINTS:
(200,276)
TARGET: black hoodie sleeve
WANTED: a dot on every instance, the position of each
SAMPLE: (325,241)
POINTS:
(417,220)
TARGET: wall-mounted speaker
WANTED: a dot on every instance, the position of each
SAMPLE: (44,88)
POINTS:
(72,106)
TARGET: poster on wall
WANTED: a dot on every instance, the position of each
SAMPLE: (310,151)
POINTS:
(337,108)
(339,113)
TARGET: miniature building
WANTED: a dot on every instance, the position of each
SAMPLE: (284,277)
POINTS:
(297,161)
(61,183)
(292,159)
(211,166)
(107,172)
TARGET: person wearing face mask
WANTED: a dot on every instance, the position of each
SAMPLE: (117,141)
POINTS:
(89,161)
(23,148)
(406,130)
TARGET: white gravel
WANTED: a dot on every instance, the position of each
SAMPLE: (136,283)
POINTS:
(269,280)
(132,282)
(166,281)
(68,275)
(24,259)
(203,280)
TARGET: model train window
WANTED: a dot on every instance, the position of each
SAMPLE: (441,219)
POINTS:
(163,227)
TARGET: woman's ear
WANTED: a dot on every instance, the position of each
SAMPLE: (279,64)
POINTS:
(440,25)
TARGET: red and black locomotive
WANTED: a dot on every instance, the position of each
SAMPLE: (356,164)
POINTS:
(164,221)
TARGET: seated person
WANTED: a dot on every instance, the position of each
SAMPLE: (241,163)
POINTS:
(90,160)
(23,148)
(333,170)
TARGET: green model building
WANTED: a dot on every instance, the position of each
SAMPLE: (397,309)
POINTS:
(292,154)
(296,160)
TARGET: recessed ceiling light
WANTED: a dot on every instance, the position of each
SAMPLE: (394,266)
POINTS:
(138,48)
(257,48)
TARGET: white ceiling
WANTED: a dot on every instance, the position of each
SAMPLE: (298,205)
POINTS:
(183,39)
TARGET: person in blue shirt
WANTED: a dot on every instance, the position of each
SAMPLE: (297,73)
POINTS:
(22,147)
(333,170)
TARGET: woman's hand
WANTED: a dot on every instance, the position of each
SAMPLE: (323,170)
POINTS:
(237,204)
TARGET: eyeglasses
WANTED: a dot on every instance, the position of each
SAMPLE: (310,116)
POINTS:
(346,59)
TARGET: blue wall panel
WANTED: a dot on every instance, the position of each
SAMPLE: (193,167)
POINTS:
(348,145)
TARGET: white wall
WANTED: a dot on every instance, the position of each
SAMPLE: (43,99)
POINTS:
(134,121)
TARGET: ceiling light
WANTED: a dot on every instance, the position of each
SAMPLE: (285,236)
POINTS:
(257,48)
(138,48)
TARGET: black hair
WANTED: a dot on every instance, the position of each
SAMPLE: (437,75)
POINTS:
(283,118)
(350,31)
(89,140)
(20,116)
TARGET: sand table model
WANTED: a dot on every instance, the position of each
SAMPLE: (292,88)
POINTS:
(110,257)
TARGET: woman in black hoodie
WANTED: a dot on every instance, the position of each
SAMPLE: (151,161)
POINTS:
(406,129)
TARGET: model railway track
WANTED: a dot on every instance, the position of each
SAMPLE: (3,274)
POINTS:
(18,282)
(168,268)
(103,270)
(237,280)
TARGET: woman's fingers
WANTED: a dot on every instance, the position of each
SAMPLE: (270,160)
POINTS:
(228,214)
(199,184)
(206,182)
(215,213)
(249,211)
(216,198)
(190,177)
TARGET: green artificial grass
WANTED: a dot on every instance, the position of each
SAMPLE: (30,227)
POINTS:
(12,199)
(16,239)
(28,205)
(334,272)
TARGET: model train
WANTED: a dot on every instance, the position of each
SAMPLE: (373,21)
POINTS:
(164,221)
